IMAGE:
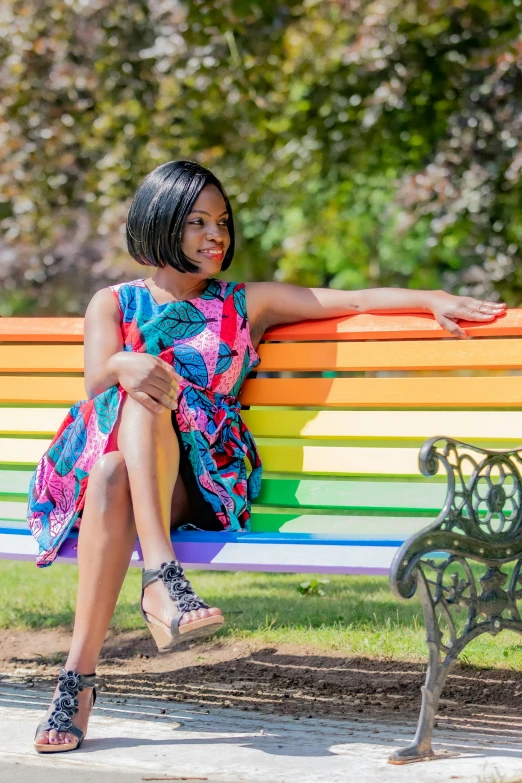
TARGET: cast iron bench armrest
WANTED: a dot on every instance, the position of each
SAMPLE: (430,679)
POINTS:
(481,521)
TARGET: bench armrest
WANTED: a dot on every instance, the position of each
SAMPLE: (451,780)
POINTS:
(482,515)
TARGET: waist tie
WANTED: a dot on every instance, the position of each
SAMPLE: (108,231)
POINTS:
(217,417)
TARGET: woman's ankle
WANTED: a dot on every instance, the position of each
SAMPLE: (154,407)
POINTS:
(157,560)
(84,666)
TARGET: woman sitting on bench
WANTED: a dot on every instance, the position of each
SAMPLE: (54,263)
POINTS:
(160,443)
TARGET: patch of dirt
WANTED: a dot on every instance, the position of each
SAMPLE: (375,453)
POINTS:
(286,680)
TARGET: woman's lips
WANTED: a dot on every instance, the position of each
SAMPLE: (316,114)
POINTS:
(215,254)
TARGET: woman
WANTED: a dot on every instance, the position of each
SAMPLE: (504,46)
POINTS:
(160,443)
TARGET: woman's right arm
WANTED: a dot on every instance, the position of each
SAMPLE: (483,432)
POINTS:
(146,378)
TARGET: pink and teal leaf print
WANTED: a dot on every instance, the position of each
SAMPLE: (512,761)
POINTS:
(212,291)
(240,302)
(106,406)
(184,321)
(76,440)
(190,364)
(225,356)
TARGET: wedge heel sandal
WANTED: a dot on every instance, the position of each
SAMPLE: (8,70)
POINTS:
(64,707)
(181,592)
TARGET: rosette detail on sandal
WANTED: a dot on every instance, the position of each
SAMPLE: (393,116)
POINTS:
(64,708)
(182,593)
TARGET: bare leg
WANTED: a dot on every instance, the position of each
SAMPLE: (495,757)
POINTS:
(107,536)
(150,446)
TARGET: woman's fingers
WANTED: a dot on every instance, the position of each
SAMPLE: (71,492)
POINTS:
(480,310)
(164,379)
(167,398)
(451,327)
(148,401)
(168,371)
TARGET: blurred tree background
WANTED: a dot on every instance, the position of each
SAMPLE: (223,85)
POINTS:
(361,143)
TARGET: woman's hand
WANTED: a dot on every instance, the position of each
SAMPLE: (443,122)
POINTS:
(147,379)
(448,308)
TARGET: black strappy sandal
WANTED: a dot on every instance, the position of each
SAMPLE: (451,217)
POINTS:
(181,592)
(65,705)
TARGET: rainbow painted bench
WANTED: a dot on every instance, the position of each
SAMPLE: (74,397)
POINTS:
(339,409)
(341,489)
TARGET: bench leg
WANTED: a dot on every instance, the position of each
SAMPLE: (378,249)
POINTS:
(438,669)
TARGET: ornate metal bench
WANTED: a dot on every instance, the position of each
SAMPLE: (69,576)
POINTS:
(480,525)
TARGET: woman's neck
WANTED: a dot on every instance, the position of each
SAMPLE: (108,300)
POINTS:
(180,286)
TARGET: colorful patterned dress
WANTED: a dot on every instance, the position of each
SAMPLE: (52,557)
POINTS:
(207,341)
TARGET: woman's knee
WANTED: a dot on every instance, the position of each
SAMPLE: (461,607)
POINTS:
(110,470)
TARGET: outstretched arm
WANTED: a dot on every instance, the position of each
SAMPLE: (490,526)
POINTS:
(278,303)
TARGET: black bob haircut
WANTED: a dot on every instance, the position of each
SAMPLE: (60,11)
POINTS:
(158,212)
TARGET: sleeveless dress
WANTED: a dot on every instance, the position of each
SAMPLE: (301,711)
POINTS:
(207,341)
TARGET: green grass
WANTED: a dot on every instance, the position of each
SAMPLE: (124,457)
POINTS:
(358,615)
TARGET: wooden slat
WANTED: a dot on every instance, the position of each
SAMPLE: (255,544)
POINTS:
(421,497)
(406,355)
(277,458)
(31,330)
(339,460)
(390,327)
(424,496)
(41,358)
(57,390)
(505,426)
(331,424)
(356,327)
(362,528)
(31,421)
(502,392)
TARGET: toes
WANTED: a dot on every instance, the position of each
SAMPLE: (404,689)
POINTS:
(214,611)
(53,737)
(43,738)
(203,613)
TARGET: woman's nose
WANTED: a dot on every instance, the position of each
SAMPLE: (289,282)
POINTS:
(213,232)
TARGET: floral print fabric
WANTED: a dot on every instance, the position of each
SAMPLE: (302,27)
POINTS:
(207,341)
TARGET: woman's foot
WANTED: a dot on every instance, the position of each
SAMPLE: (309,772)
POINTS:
(56,738)
(158,603)
(172,610)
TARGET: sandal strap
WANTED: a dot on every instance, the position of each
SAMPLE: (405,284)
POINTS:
(65,705)
(179,588)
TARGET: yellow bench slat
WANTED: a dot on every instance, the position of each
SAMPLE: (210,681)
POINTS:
(277,458)
(274,423)
(463,425)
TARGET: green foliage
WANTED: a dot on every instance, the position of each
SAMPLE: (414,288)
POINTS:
(361,142)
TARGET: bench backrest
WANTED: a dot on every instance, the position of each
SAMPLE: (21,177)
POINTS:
(339,409)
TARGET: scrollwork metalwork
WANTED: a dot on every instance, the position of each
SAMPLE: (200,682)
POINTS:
(467,564)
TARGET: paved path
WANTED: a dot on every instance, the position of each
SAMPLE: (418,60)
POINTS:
(139,739)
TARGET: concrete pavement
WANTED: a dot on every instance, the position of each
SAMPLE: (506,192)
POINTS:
(139,739)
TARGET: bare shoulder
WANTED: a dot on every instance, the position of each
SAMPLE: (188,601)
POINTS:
(259,296)
(103,305)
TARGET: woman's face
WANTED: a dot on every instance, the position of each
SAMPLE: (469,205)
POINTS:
(205,239)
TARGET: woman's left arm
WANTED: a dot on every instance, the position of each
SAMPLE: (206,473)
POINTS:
(279,303)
